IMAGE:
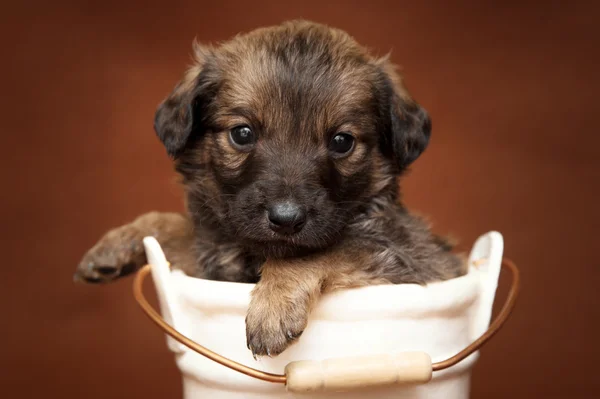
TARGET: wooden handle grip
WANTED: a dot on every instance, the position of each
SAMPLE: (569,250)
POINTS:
(356,372)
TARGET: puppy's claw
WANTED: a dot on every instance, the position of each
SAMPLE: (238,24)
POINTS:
(77,278)
(90,277)
(89,272)
(267,338)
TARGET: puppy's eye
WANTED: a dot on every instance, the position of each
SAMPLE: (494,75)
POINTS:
(341,144)
(242,136)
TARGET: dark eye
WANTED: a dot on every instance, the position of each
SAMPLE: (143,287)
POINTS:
(242,136)
(341,144)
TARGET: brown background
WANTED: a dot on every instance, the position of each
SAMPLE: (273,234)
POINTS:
(513,92)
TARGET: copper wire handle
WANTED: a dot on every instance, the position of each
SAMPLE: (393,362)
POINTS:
(281,378)
(498,322)
(138,282)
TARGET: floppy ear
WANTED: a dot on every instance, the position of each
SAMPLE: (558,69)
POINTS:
(176,116)
(409,125)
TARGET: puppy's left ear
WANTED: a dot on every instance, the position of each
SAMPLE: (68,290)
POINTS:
(180,113)
(409,127)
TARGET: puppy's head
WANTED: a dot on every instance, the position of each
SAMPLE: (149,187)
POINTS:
(283,135)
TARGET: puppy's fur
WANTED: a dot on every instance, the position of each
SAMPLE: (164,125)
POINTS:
(295,86)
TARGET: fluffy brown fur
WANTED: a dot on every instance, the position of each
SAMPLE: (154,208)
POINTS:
(294,86)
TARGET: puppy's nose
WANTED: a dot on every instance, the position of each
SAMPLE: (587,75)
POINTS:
(286,217)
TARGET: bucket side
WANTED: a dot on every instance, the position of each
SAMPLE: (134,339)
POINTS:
(485,261)
(165,291)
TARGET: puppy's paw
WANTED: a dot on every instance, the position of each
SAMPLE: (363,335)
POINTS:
(272,327)
(119,253)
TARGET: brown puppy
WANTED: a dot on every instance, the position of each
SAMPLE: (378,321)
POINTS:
(289,140)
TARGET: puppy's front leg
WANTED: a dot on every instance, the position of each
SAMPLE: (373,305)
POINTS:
(281,303)
(120,251)
(288,288)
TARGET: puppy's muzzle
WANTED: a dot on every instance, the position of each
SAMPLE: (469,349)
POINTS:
(286,218)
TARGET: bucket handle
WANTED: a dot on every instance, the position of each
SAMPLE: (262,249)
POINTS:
(342,373)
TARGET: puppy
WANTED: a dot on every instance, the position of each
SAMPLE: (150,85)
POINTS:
(289,141)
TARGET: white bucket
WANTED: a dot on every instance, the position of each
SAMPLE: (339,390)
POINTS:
(440,319)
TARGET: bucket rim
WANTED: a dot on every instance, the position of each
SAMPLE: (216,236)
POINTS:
(363,303)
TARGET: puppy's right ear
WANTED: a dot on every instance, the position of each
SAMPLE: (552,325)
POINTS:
(176,116)
(410,125)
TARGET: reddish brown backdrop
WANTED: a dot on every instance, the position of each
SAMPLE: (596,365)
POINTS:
(513,93)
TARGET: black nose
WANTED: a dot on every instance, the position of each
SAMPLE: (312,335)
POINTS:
(287,217)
